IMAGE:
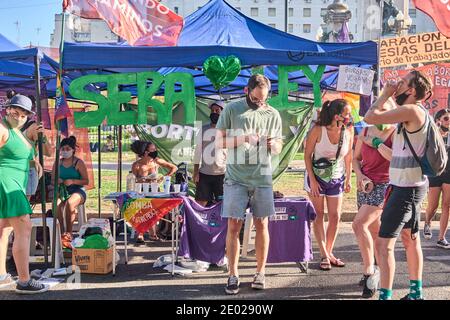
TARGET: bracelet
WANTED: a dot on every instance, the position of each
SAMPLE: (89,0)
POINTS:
(376,142)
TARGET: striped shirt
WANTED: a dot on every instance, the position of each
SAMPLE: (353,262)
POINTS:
(404,170)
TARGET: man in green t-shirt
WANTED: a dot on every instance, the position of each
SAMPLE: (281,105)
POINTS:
(250,130)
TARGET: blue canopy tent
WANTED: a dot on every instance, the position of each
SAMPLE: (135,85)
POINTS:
(219,29)
(18,67)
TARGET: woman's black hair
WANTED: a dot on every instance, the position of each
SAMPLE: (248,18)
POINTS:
(440,113)
(70,141)
(139,147)
(10,94)
(329,110)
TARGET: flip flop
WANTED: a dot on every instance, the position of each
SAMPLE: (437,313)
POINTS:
(154,238)
(140,240)
(337,263)
(325,264)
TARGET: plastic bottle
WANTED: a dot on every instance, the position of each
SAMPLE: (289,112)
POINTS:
(166,184)
(131,181)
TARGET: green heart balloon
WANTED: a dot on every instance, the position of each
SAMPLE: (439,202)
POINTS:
(221,71)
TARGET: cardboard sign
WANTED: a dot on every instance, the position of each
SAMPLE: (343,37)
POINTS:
(418,48)
(355,80)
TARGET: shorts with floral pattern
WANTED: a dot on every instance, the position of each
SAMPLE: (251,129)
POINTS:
(374,198)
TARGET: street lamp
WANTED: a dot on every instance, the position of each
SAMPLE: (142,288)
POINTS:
(400,23)
(319,34)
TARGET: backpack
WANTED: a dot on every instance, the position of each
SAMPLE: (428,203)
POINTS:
(434,159)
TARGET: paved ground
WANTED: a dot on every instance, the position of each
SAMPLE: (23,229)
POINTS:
(139,280)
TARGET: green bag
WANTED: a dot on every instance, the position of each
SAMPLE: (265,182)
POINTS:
(95,241)
(63,193)
(323,167)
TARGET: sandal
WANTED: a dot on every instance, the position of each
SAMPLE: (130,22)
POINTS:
(337,262)
(325,264)
(154,238)
(66,240)
(140,239)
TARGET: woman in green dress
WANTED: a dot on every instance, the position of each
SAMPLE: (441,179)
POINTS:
(15,155)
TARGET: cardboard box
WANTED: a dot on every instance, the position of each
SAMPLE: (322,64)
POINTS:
(93,260)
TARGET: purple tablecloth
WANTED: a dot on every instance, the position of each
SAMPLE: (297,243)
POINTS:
(290,231)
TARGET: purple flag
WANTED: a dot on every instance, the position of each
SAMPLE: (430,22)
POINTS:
(344,34)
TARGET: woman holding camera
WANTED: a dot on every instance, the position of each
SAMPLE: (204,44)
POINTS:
(371,160)
(328,161)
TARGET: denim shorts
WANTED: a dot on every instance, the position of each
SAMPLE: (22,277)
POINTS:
(33,181)
(237,198)
(77,189)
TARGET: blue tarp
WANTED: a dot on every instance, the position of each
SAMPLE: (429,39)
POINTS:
(219,29)
(17,68)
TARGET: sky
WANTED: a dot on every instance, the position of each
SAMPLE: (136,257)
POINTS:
(31,16)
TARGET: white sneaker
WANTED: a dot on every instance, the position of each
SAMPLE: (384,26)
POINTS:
(427,231)
(443,244)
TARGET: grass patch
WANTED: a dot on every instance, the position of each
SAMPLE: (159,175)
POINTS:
(299,156)
(112,157)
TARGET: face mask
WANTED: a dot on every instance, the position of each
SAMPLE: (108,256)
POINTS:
(66,154)
(153,154)
(214,118)
(251,104)
(381,127)
(16,123)
(444,129)
(400,99)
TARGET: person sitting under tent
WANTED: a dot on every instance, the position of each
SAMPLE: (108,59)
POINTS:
(148,164)
(73,176)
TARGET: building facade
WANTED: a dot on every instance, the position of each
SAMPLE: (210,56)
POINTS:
(304,18)
(81,30)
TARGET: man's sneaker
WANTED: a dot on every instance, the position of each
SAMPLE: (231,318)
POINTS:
(32,287)
(371,284)
(408,297)
(427,231)
(443,244)
(232,285)
(6,280)
(259,281)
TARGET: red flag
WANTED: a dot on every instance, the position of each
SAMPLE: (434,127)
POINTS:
(140,22)
(439,11)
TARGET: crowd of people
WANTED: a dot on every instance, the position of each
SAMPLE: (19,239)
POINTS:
(232,162)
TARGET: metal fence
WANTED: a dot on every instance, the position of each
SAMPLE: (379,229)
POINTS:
(109,138)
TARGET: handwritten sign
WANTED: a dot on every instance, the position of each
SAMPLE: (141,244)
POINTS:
(356,80)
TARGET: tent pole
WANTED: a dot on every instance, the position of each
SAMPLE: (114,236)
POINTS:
(58,141)
(378,84)
(99,136)
(37,78)
(120,159)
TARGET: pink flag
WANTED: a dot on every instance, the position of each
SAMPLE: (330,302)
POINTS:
(139,22)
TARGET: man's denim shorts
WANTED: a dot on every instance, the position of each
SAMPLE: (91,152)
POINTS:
(237,198)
